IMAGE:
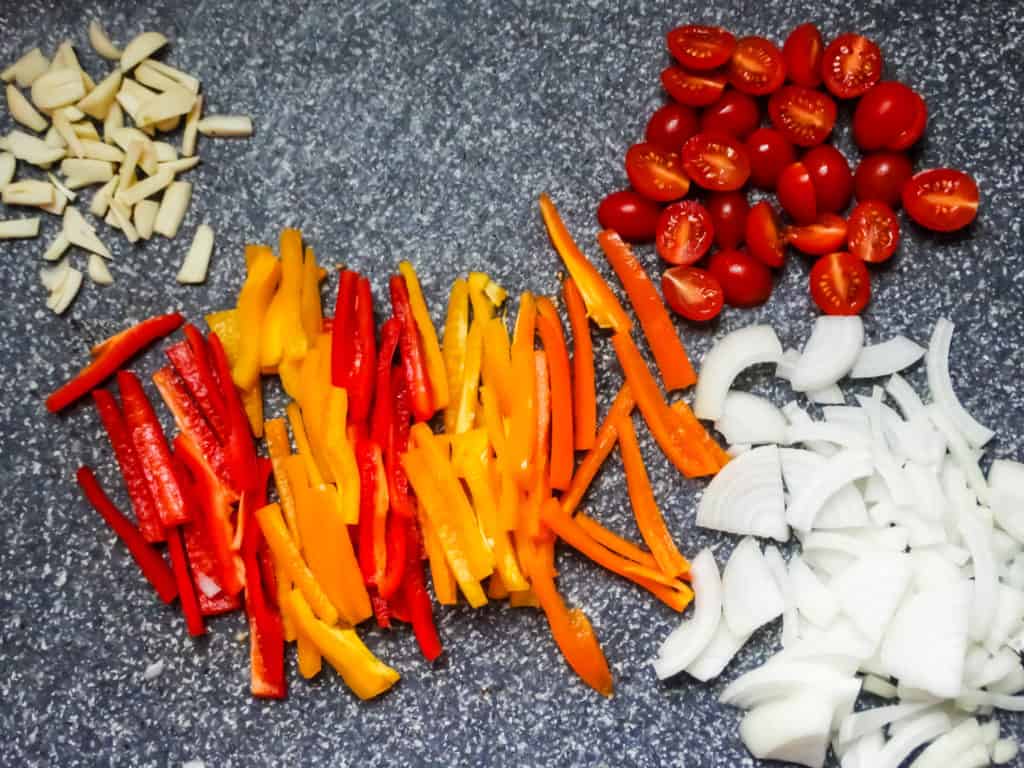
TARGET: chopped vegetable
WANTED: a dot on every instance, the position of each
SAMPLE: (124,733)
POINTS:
(728,357)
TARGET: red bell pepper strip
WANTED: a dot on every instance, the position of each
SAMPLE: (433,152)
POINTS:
(113,353)
(413,358)
(399,607)
(240,449)
(151,446)
(397,544)
(398,483)
(373,513)
(191,359)
(414,591)
(149,559)
(381,609)
(343,329)
(189,604)
(146,515)
(364,356)
(383,391)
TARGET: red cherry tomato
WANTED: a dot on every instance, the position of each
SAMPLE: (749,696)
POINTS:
(633,216)
(700,47)
(692,89)
(826,235)
(746,282)
(716,161)
(883,113)
(735,113)
(656,174)
(851,65)
(796,193)
(756,66)
(685,232)
(915,130)
(769,153)
(765,238)
(881,176)
(694,293)
(805,116)
(941,199)
(728,212)
(830,173)
(802,53)
(670,126)
(840,284)
(874,232)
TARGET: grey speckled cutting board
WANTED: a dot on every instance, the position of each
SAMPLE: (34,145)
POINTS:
(425,132)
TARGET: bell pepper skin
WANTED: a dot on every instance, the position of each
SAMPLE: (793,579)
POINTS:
(398,443)
(584,396)
(467,394)
(523,432)
(373,513)
(225,325)
(364,356)
(189,604)
(112,354)
(415,592)
(149,560)
(441,576)
(253,303)
(413,359)
(383,406)
(456,331)
(343,329)
(190,359)
(282,335)
(279,448)
(240,449)
(311,311)
(553,338)
(341,455)
(143,505)
(595,458)
(428,336)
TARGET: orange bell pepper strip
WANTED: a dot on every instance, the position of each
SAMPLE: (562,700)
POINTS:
(302,443)
(440,572)
(482,306)
(456,333)
(497,364)
(596,457)
(283,335)
(508,488)
(602,305)
(468,397)
(253,302)
(496,589)
(540,490)
(584,399)
(341,455)
(698,433)
(310,662)
(553,339)
(225,325)
(435,361)
(252,403)
(279,448)
(657,325)
(284,586)
(645,509)
(614,542)
(363,672)
(311,312)
(523,432)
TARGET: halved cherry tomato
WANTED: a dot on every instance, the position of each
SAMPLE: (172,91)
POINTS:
(915,130)
(796,193)
(728,212)
(765,238)
(942,199)
(840,284)
(851,65)
(633,216)
(874,232)
(693,89)
(746,282)
(735,114)
(696,46)
(802,53)
(826,235)
(671,125)
(656,174)
(881,176)
(769,153)
(716,161)
(685,232)
(831,176)
(694,293)
(805,116)
(883,113)
(756,66)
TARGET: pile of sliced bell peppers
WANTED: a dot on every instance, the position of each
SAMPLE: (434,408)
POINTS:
(370,493)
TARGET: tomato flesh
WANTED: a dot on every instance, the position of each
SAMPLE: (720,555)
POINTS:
(735,114)
(942,199)
(826,235)
(670,126)
(840,284)
(769,152)
(656,174)
(716,161)
(693,293)
(805,116)
(701,47)
(802,53)
(633,216)
(874,232)
(766,241)
(746,282)
(883,113)
(831,176)
(756,66)
(692,89)
(796,194)
(850,65)
(728,212)
(881,176)
(684,232)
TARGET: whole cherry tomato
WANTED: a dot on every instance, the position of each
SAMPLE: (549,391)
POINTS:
(735,113)
(888,114)
(746,282)
(671,125)
(633,216)
(830,173)
(728,212)
(769,153)
(881,176)
(796,193)
(802,53)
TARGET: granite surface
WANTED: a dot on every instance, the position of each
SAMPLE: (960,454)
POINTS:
(426,131)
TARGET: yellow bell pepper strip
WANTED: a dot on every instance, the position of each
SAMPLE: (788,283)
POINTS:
(254,251)
(602,306)
(508,488)
(253,301)
(302,443)
(307,656)
(316,386)
(284,586)
(363,672)
(584,396)
(290,373)
(552,337)
(283,335)
(435,362)
(497,364)
(645,509)
(252,402)
(341,455)
(614,542)
(523,433)
(440,572)
(470,384)
(482,307)
(285,551)
(310,309)
(279,448)
(225,325)
(456,332)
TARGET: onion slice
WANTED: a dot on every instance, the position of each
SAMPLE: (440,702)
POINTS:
(794,730)
(944,751)
(750,595)
(869,720)
(906,398)
(941,386)
(839,471)
(727,358)
(961,451)
(790,620)
(843,509)
(686,642)
(830,352)
(911,736)
(750,419)
(716,656)
(870,590)
(746,497)
(813,598)
(886,358)
(978,538)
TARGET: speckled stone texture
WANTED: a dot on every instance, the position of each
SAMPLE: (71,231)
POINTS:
(426,132)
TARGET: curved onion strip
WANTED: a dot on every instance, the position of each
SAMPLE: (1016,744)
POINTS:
(1008,510)
(905,396)
(870,590)
(830,395)
(840,470)
(812,597)
(1007,475)
(926,490)
(790,619)
(890,356)
(962,453)
(863,752)
(745,497)
(719,652)
(750,419)
(843,509)
(1011,684)
(848,415)
(691,637)
(944,751)
(787,364)
(797,416)
(750,596)
(978,538)
(779,678)
(996,668)
(941,386)
(830,352)
(841,642)
(861,723)
(820,431)
(885,462)
(794,730)
(730,355)
(911,736)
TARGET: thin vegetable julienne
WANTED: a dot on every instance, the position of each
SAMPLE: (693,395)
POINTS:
(562,457)
(186,591)
(428,336)
(456,332)
(584,399)
(522,434)
(611,540)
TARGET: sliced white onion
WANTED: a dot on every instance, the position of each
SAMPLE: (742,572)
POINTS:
(941,386)
(922,730)
(719,652)
(978,538)
(727,358)
(1007,475)
(832,395)
(691,637)
(944,751)
(841,641)
(790,620)
(870,590)
(843,509)
(1009,615)
(738,449)
(819,431)
(849,415)
(886,358)
(813,598)
(926,489)
(906,396)
(862,723)
(997,667)
(745,497)
(830,352)
(1004,751)
(863,752)
(933,571)
(787,364)
(972,700)
(750,595)
(794,730)
(839,471)
(778,679)
(797,416)
(879,687)
(885,462)
(1012,683)
(747,418)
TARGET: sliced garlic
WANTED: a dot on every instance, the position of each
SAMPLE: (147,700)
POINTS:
(182,78)
(58,88)
(144,189)
(61,299)
(224,126)
(86,130)
(26,69)
(131,160)
(180,166)
(19,228)
(168,125)
(113,122)
(97,150)
(80,232)
(54,139)
(144,217)
(57,248)
(21,109)
(98,271)
(86,172)
(8,165)
(173,206)
(72,113)
(53,277)
(197,261)
(98,103)
(153,78)
(124,222)
(64,57)
(101,43)
(174,102)
(188,139)
(131,96)
(61,189)
(101,200)
(57,206)
(32,150)
(141,48)
(67,133)
(125,137)
(110,220)
(148,162)
(165,153)
(28,192)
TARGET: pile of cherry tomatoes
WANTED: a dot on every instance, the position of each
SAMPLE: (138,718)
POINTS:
(710,135)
